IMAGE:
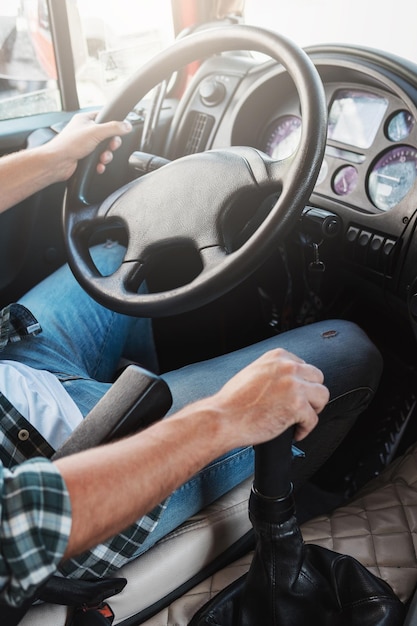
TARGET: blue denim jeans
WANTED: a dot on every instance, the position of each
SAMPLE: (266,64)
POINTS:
(82,343)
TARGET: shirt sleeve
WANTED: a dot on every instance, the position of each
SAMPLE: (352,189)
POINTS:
(35,514)
(16,323)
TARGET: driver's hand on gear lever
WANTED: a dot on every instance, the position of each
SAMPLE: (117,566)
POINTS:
(276,391)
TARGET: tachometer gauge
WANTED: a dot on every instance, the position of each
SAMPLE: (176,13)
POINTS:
(392,177)
(283,137)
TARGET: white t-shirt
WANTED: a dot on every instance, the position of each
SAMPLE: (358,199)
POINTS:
(41,399)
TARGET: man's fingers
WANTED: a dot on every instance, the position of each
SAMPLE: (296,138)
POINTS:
(109,129)
(303,428)
(311,373)
(320,398)
(115,143)
(317,396)
(106,157)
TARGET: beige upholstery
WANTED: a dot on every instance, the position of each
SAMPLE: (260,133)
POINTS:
(170,563)
(379,528)
(181,611)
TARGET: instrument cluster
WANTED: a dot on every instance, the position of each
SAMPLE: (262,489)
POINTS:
(371,156)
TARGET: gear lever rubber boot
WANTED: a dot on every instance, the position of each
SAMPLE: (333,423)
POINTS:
(290,583)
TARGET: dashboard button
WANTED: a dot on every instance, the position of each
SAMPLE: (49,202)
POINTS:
(374,252)
(376,243)
(212,92)
(352,234)
(387,256)
(362,246)
(364,238)
(388,247)
(351,237)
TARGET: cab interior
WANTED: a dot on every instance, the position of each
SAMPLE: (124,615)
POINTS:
(350,253)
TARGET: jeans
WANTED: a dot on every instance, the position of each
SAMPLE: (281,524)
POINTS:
(82,343)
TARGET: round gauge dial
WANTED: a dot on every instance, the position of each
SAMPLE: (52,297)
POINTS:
(392,177)
(345,180)
(400,126)
(283,137)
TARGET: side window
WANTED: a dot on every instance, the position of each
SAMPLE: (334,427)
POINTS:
(28,79)
(111,40)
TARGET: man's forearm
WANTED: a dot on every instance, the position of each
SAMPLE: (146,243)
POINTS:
(125,480)
(24,173)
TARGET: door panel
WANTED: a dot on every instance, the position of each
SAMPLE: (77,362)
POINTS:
(31,244)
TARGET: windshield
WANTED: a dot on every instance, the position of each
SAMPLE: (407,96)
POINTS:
(110,40)
(368,23)
(119,37)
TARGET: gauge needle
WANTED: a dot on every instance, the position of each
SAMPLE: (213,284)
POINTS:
(394,179)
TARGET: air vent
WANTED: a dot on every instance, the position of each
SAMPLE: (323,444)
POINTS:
(200,128)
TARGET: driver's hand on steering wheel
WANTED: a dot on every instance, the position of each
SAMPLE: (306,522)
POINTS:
(80,137)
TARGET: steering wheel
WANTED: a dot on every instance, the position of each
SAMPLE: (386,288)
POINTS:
(195,200)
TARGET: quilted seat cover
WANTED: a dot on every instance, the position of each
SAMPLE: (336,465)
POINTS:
(379,528)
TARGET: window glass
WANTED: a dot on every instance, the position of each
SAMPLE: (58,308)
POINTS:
(112,39)
(369,23)
(28,81)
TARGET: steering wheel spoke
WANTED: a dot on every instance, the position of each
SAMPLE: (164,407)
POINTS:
(82,222)
(212,257)
(84,215)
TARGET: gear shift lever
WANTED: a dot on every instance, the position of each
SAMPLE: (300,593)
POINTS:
(273,466)
(290,583)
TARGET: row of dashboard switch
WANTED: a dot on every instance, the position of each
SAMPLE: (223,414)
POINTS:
(370,249)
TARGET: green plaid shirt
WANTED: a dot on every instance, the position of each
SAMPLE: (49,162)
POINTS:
(35,515)
(35,526)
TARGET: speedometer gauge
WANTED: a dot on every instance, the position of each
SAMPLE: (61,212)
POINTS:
(283,137)
(392,177)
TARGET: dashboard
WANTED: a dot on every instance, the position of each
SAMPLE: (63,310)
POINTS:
(368,177)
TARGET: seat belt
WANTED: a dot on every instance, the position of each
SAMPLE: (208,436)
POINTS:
(85,596)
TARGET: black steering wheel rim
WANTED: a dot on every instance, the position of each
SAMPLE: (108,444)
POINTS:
(301,171)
